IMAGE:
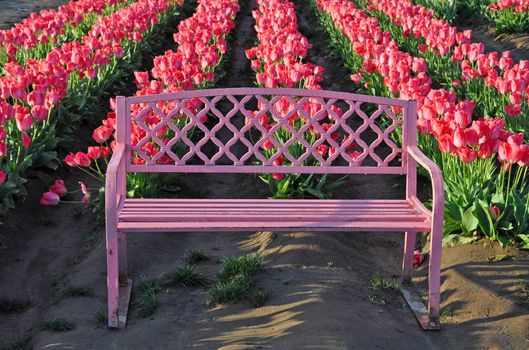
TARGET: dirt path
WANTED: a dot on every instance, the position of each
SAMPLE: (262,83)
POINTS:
(518,44)
(319,284)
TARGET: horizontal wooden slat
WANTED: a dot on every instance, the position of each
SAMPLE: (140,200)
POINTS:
(256,214)
(272,226)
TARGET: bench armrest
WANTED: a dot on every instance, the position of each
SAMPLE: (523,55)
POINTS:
(437,181)
(115,183)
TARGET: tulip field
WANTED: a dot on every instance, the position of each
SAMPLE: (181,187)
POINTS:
(61,69)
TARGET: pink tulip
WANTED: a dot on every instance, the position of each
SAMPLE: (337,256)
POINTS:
(49,199)
(3,177)
(102,133)
(494,212)
(26,140)
(94,152)
(418,258)
(59,188)
(82,160)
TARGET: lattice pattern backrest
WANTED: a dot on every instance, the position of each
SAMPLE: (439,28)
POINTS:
(265,130)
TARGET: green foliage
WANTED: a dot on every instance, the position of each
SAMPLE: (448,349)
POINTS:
(8,306)
(101,317)
(522,289)
(195,256)
(57,325)
(19,343)
(509,21)
(378,282)
(146,300)
(237,281)
(473,191)
(302,185)
(185,276)
(453,11)
(68,290)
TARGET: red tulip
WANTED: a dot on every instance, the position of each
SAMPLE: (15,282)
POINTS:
(102,133)
(23,121)
(59,188)
(142,79)
(82,159)
(70,160)
(49,199)
(494,212)
(466,155)
(3,148)
(458,138)
(418,258)
(26,140)
(513,110)
(3,177)
(94,152)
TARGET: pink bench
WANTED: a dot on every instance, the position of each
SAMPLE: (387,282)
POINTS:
(188,133)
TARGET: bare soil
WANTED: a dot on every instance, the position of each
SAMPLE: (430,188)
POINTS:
(319,284)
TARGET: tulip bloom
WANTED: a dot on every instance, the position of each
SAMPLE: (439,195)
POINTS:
(26,140)
(494,212)
(59,188)
(418,258)
(102,133)
(82,159)
(3,177)
(49,199)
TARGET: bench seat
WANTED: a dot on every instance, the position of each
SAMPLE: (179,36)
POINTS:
(162,215)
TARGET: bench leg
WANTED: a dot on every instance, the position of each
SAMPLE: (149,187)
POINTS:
(119,286)
(434,276)
(428,317)
(122,256)
(112,275)
(407,260)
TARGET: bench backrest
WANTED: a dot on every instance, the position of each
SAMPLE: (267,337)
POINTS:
(257,130)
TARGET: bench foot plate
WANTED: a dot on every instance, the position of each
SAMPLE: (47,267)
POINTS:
(419,310)
(124,299)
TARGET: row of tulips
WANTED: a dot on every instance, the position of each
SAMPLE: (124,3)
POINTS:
(278,61)
(386,70)
(506,16)
(201,43)
(34,98)
(515,5)
(498,85)
(36,35)
(510,15)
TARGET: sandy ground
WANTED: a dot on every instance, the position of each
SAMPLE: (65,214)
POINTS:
(319,284)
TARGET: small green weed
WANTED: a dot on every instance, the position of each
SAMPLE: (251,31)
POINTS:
(522,289)
(57,325)
(146,300)
(186,276)
(446,312)
(19,343)
(242,265)
(9,306)
(375,299)
(101,317)
(68,290)
(237,282)
(378,282)
(195,256)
